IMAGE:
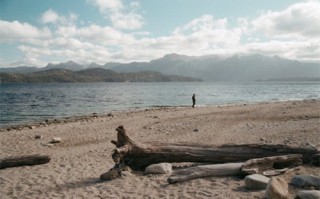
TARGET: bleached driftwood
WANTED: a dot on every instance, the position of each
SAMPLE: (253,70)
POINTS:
(228,169)
(271,165)
(28,160)
(140,155)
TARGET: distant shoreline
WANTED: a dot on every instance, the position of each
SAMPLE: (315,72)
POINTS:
(88,117)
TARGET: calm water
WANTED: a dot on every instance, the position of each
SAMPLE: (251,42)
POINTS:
(22,103)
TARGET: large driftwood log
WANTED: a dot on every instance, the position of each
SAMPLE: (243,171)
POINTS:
(28,160)
(228,169)
(271,165)
(138,155)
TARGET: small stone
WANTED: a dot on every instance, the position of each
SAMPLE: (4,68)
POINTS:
(313,194)
(256,181)
(32,127)
(110,175)
(306,181)
(110,115)
(161,168)
(277,189)
(38,136)
(125,173)
(55,140)
(195,130)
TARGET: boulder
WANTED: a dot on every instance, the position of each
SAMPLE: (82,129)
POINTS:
(309,194)
(256,182)
(160,168)
(306,181)
(277,189)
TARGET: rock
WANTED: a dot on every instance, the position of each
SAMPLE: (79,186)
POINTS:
(161,168)
(32,127)
(38,136)
(126,168)
(310,194)
(306,181)
(195,130)
(256,181)
(125,173)
(55,140)
(277,189)
(110,175)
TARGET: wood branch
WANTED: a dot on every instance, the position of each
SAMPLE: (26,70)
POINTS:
(271,165)
(228,169)
(138,156)
(28,160)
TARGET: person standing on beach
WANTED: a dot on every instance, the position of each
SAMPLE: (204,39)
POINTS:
(193,100)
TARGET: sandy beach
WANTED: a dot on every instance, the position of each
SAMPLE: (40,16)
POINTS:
(85,149)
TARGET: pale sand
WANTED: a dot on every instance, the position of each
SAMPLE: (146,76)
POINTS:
(85,150)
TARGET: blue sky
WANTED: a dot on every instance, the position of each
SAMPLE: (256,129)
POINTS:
(37,32)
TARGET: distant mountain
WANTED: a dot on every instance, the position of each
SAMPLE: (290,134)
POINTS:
(89,75)
(209,68)
(70,65)
(235,68)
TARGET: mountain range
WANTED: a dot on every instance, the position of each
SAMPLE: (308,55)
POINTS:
(209,68)
(89,75)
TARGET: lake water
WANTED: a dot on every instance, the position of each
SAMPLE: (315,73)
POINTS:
(23,103)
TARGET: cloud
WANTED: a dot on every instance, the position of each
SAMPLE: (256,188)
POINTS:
(51,16)
(290,33)
(121,17)
(298,20)
(16,31)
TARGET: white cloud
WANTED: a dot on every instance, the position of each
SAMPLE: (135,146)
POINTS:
(107,5)
(16,31)
(120,16)
(51,16)
(298,20)
(290,33)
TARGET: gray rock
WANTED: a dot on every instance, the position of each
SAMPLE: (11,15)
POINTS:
(256,181)
(161,168)
(306,181)
(310,194)
(277,189)
(56,140)
(125,173)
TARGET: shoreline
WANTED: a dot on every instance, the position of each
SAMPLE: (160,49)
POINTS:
(85,117)
(84,152)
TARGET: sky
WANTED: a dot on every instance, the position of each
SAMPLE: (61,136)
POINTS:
(38,32)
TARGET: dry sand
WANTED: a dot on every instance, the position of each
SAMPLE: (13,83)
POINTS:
(85,150)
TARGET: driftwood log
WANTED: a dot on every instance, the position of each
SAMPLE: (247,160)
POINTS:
(140,155)
(28,160)
(228,169)
(271,165)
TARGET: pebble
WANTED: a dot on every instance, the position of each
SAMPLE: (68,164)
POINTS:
(56,140)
